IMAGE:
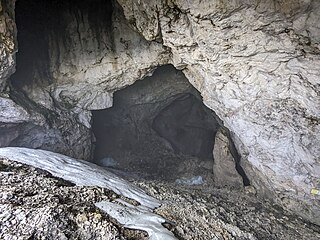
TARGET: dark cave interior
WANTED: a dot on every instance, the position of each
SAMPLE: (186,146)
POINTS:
(158,128)
(42,28)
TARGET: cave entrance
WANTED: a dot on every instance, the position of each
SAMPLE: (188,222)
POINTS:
(158,128)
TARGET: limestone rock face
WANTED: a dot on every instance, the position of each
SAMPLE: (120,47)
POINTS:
(92,53)
(12,112)
(8,45)
(71,62)
(12,115)
(224,165)
(257,65)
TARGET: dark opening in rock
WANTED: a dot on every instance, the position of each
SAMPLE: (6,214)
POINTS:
(44,28)
(158,128)
(187,126)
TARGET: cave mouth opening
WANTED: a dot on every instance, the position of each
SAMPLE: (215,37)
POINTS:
(158,129)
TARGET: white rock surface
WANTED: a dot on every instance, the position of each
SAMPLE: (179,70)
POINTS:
(86,62)
(89,66)
(10,112)
(257,66)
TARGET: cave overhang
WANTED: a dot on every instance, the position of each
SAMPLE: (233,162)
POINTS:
(272,115)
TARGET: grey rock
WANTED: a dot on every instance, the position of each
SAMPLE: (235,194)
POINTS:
(8,46)
(11,112)
(40,206)
(157,127)
(256,64)
(224,165)
(258,68)
(79,75)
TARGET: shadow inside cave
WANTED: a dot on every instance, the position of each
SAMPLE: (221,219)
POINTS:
(157,129)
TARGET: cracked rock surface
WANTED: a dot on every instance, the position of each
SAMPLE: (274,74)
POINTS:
(256,63)
(257,66)
(71,62)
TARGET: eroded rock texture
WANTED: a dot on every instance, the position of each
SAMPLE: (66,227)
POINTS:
(72,57)
(89,52)
(255,63)
(8,44)
(35,205)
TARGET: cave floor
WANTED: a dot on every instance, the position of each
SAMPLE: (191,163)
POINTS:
(205,212)
(164,166)
(35,205)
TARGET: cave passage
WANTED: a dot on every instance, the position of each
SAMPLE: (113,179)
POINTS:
(158,128)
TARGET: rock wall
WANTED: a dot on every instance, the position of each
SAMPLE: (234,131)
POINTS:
(224,165)
(256,64)
(10,112)
(91,52)
(72,57)
(8,44)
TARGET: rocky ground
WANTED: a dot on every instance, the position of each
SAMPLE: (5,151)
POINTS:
(211,213)
(35,205)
